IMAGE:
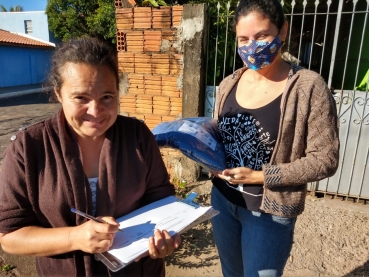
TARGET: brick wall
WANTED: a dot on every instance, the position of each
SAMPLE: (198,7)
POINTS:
(152,61)
(147,54)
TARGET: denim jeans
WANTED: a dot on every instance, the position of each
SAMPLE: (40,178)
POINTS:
(250,244)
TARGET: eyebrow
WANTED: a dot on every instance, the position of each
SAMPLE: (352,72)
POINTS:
(257,34)
(74,93)
(77,93)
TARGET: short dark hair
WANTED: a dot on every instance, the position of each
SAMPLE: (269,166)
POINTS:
(87,50)
(271,9)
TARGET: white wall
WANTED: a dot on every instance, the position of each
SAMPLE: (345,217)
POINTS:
(14,22)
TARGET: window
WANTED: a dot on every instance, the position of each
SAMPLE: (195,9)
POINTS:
(28,26)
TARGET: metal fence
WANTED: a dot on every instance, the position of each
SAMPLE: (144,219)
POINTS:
(331,38)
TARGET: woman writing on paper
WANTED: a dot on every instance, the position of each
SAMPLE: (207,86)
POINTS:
(278,124)
(88,157)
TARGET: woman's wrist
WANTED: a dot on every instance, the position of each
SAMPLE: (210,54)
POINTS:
(258,177)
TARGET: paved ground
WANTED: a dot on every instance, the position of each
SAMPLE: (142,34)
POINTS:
(17,112)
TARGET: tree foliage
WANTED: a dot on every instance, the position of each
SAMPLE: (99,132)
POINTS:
(74,18)
(222,52)
(17,8)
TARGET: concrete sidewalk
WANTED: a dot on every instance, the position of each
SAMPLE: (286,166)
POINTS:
(15,91)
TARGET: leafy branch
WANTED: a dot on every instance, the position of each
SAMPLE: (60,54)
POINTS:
(150,3)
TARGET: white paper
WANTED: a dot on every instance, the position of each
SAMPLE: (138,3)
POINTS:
(168,213)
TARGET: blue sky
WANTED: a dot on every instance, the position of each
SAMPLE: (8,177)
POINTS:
(28,5)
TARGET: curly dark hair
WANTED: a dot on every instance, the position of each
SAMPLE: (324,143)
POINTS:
(271,9)
(87,50)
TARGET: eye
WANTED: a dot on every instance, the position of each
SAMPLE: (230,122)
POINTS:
(108,97)
(80,99)
(262,37)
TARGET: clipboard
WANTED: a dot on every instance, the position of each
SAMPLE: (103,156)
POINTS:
(115,264)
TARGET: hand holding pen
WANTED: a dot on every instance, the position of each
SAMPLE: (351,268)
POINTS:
(92,236)
(91,217)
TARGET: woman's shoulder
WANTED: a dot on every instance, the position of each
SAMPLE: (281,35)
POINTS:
(234,76)
(35,130)
(135,125)
(228,82)
(123,120)
(309,82)
(29,137)
(305,74)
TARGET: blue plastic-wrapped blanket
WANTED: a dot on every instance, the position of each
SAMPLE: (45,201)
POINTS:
(197,138)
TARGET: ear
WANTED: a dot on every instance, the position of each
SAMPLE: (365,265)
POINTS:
(284,31)
(58,96)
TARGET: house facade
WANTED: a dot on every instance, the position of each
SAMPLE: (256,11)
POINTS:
(30,23)
(24,60)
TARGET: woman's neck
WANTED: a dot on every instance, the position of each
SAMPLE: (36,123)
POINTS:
(90,153)
(90,141)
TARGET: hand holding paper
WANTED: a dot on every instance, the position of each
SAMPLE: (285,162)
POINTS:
(163,244)
(170,214)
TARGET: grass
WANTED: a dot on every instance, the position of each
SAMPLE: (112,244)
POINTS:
(180,187)
(7,267)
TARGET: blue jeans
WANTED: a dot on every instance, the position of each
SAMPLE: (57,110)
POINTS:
(250,244)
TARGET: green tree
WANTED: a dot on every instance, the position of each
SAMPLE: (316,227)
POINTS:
(17,8)
(222,51)
(74,18)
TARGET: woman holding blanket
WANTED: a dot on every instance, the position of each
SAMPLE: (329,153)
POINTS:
(279,127)
(88,157)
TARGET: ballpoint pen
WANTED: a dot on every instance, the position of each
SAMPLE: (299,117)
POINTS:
(91,217)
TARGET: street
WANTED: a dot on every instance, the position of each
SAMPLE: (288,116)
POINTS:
(17,112)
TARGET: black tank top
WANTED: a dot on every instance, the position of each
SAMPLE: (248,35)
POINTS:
(249,137)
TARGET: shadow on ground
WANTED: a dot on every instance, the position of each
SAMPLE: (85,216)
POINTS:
(196,250)
(360,271)
(198,247)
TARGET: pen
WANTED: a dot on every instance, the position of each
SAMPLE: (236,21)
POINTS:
(90,217)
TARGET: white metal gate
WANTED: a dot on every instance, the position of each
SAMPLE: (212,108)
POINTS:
(331,38)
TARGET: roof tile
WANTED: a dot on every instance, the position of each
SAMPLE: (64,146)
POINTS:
(12,38)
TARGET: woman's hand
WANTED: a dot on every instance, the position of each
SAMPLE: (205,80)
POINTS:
(91,237)
(94,237)
(162,244)
(241,175)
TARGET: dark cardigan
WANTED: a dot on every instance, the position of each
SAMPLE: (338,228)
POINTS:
(42,177)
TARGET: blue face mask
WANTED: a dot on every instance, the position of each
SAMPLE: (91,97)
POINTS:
(257,55)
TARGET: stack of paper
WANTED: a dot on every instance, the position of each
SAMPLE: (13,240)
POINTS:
(170,213)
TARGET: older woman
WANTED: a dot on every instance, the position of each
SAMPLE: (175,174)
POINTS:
(88,157)
(279,127)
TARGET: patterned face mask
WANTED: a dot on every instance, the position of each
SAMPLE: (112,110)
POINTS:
(257,55)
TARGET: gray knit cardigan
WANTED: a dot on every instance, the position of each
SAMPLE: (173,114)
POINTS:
(307,146)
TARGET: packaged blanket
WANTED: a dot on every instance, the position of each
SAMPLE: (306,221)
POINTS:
(197,138)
